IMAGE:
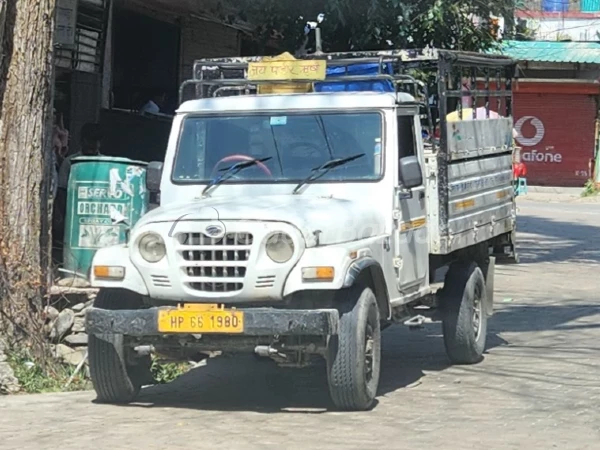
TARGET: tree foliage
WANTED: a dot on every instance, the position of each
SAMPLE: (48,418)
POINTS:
(379,24)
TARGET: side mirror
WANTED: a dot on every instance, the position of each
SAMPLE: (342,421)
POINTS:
(153,176)
(410,172)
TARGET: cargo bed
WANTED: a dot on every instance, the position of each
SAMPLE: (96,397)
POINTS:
(469,181)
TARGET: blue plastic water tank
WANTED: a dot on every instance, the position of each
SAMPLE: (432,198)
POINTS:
(555,5)
(353,86)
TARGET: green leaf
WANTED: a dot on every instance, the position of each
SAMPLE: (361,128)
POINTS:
(369,24)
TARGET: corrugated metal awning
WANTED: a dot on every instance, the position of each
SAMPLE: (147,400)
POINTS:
(554,52)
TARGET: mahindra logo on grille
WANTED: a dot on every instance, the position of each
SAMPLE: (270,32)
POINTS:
(215,231)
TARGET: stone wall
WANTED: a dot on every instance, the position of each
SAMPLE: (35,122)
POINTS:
(8,383)
(64,329)
(65,323)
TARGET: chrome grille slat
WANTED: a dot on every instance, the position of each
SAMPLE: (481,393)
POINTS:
(238,248)
(214,265)
(217,287)
(207,263)
(209,279)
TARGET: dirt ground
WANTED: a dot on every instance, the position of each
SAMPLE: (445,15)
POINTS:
(538,387)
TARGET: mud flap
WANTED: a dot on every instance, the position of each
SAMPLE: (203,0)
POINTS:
(513,246)
(506,253)
(489,274)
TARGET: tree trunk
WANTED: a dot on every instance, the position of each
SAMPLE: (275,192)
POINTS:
(26,92)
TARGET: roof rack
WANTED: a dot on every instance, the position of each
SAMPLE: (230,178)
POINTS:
(217,76)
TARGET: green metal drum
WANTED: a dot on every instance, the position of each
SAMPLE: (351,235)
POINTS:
(103,191)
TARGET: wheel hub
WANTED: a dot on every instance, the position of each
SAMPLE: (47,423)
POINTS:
(477,317)
(369,353)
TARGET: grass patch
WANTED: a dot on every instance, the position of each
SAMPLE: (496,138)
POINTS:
(590,189)
(165,373)
(36,377)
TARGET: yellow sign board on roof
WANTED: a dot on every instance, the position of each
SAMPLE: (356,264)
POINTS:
(285,67)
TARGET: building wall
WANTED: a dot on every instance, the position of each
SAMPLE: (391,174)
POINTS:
(576,29)
(205,39)
(573,23)
(198,38)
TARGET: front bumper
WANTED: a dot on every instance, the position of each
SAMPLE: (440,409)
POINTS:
(257,322)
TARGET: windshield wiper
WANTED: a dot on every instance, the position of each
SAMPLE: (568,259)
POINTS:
(232,171)
(321,124)
(323,169)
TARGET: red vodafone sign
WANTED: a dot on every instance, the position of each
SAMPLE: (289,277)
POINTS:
(533,138)
(557,134)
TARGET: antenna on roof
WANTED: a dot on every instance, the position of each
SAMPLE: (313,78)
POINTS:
(310,25)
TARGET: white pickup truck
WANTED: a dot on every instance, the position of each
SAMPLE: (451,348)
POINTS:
(297,226)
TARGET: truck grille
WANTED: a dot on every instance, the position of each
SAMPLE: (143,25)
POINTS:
(215,265)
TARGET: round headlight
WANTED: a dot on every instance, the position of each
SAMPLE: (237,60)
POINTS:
(280,248)
(152,247)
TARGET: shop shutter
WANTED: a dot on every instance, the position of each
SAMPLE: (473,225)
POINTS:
(557,134)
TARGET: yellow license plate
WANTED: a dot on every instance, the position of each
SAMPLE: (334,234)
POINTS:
(200,320)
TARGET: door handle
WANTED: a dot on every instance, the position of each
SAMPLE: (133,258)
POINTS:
(421,195)
(405,195)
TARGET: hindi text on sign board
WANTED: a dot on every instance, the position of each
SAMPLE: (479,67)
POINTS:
(287,70)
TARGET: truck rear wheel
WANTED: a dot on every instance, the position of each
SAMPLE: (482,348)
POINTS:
(354,355)
(463,302)
(117,377)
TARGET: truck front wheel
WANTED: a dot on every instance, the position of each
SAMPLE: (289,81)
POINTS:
(116,375)
(354,355)
(463,302)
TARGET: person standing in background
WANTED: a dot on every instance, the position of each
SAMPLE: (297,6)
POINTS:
(467,100)
(91,137)
(155,104)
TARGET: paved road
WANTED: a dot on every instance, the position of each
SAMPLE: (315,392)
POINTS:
(538,387)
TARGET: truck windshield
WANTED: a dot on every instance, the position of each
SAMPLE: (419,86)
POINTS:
(295,143)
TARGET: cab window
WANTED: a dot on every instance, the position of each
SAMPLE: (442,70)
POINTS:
(406,136)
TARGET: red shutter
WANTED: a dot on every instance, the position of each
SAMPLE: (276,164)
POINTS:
(557,136)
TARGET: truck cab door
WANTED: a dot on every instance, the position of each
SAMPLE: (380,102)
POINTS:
(411,240)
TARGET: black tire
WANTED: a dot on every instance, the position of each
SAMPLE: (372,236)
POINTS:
(464,307)
(114,376)
(354,355)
